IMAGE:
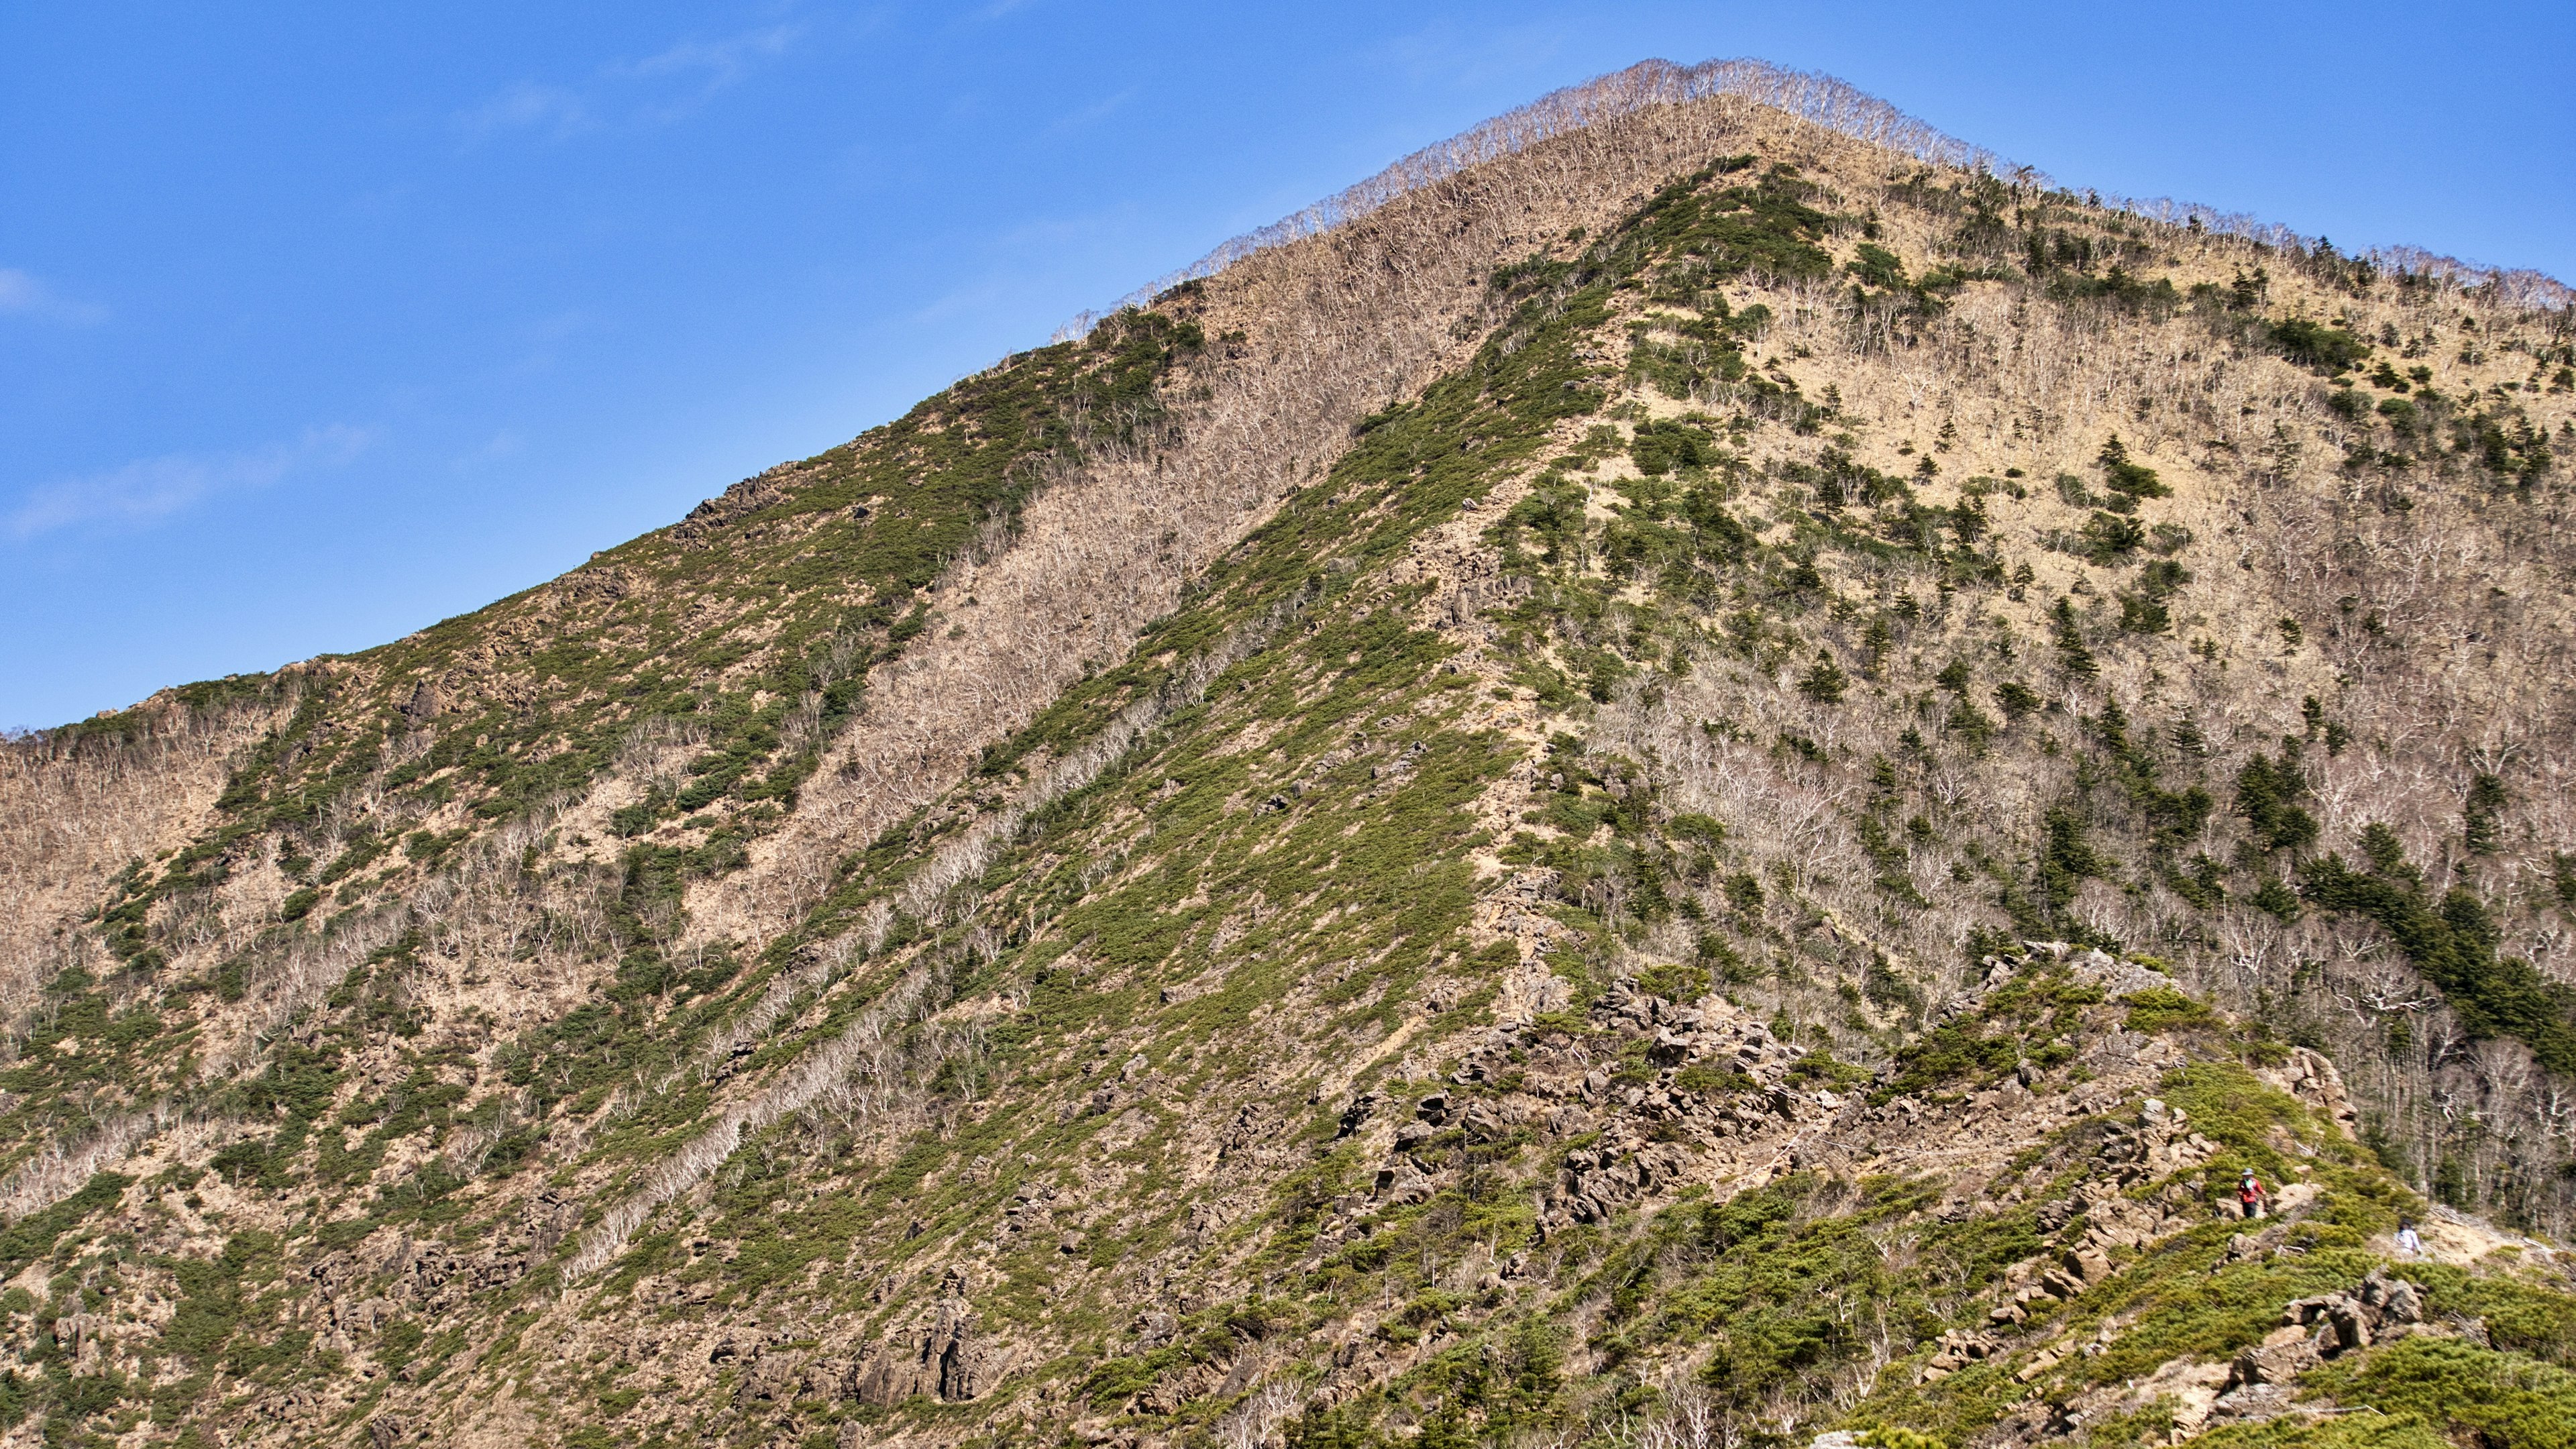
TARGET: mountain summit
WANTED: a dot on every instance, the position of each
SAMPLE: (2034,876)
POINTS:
(1702,769)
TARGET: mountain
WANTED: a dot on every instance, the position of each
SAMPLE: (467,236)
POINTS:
(1699,770)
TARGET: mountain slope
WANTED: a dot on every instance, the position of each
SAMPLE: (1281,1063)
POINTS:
(1429,834)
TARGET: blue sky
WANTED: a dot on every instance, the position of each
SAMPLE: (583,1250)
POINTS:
(319,323)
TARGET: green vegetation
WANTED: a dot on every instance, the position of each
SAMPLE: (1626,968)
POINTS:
(2453,942)
(2315,346)
(2461,1391)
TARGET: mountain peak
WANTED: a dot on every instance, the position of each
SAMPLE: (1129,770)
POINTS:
(1698,767)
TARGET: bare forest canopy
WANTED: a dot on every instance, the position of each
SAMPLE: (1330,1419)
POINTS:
(1810,96)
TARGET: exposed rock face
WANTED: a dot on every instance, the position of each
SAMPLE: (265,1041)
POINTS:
(747,497)
(946,1361)
(2326,1326)
(2309,1076)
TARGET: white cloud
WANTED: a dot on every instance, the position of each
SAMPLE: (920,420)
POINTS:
(504,445)
(1097,111)
(657,89)
(154,488)
(720,62)
(22,295)
(528,106)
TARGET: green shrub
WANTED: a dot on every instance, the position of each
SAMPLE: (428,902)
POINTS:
(2162,1008)
(1702,829)
(2351,1431)
(2480,816)
(2144,614)
(1661,447)
(1711,1079)
(2127,476)
(2268,795)
(2072,652)
(1825,682)
(1878,267)
(2315,346)
(2276,899)
(1822,1066)
(2497,1400)
(2109,537)
(1674,980)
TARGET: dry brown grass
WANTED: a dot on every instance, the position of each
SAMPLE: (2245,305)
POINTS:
(75,812)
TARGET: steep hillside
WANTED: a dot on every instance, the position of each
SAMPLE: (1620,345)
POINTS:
(1698,770)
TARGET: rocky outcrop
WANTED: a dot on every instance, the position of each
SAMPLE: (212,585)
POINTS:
(946,1360)
(2327,1326)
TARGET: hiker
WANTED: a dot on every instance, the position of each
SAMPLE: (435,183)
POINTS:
(2409,1243)
(2250,1194)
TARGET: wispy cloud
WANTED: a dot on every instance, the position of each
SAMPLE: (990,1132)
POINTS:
(527,106)
(24,295)
(1481,57)
(655,90)
(505,444)
(715,63)
(1099,110)
(154,488)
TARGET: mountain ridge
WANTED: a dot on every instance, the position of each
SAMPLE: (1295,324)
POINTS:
(1519,744)
(1814,96)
